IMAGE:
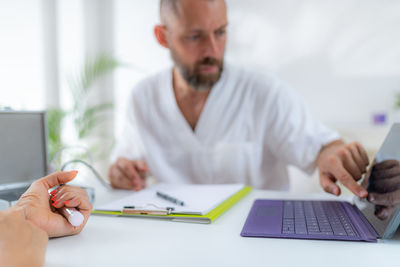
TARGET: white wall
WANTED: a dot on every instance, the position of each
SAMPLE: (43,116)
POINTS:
(21,65)
(342,55)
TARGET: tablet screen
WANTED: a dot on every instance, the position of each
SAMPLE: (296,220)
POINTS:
(383,183)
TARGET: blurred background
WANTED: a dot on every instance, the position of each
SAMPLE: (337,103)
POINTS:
(79,60)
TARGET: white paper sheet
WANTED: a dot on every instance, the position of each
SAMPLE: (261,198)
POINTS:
(198,199)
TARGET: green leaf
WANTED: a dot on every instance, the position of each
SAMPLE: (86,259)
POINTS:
(87,117)
(96,68)
(55,118)
(397,103)
(91,118)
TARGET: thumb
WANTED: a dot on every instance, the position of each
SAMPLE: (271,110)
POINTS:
(57,178)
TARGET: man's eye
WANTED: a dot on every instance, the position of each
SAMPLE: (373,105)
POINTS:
(220,32)
(193,37)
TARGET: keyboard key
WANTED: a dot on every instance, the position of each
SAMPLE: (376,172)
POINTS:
(326,233)
(351,233)
(341,233)
(287,232)
(316,218)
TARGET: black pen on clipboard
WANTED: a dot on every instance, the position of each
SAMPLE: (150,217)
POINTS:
(170,198)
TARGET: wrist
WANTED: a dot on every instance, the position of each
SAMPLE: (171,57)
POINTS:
(19,208)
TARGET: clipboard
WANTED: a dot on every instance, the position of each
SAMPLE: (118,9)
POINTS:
(228,195)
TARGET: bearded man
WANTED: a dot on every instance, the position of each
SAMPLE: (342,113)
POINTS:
(206,121)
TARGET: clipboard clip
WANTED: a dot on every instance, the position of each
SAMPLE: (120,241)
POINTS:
(148,209)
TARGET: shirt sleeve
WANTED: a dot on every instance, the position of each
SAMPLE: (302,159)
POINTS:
(129,144)
(293,134)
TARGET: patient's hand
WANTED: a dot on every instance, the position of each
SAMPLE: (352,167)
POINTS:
(345,163)
(128,174)
(35,204)
(384,187)
(21,242)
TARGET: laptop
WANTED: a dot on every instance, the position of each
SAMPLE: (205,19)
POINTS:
(23,153)
(327,220)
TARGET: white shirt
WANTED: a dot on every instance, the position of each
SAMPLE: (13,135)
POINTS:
(251,128)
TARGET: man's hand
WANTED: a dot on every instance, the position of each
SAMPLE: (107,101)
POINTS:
(345,163)
(21,242)
(384,188)
(35,204)
(128,174)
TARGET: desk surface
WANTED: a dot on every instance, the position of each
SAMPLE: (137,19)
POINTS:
(116,241)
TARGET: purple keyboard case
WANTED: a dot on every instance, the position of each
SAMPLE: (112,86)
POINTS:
(266,217)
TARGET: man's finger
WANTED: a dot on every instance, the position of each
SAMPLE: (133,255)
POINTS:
(358,159)
(114,175)
(328,184)
(141,166)
(129,170)
(362,153)
(387,199)
(343,176)
(126,167)
(351,166)
(120,180)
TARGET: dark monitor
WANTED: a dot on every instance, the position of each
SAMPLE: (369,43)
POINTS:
(382,178)
(23,146)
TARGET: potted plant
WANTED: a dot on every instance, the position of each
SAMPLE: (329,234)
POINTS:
(84,116)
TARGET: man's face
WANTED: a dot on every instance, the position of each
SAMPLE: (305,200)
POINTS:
(197,38)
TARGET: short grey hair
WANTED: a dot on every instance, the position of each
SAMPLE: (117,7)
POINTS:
(168,7)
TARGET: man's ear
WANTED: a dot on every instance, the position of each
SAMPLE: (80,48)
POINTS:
(160,31)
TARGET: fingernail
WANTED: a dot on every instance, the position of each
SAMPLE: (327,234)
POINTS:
(66,202)
(55,203)
(52,192)
(333,190)
(363,193)
(54,197)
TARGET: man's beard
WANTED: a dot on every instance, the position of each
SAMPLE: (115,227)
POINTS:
(193,76)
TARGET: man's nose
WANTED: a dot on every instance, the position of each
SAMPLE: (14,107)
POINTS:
(210,46)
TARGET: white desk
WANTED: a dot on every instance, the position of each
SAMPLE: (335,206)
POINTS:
(114,241)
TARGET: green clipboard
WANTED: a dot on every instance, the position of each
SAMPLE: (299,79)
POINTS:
(190,218)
